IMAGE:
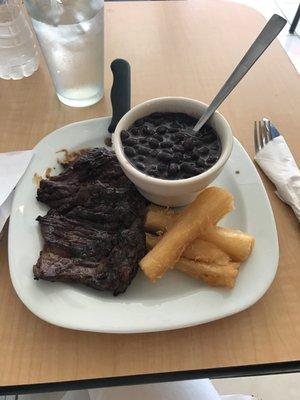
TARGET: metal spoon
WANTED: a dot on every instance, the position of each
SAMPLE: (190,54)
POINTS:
(262,42)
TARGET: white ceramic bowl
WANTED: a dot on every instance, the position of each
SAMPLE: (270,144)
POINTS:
(181,191)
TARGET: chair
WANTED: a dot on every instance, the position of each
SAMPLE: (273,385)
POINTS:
(295,21)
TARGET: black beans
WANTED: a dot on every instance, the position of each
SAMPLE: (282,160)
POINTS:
(153,153)
(139,122)
(178,148)
(161,130)
(152,171)
(158,137)
(188,144)
(153,143)
(209,138)
(176,125)
(163,156)
(178,137)
(211,160)
(163,145)
(161,167)
(187,157)
(156,115)
(135,131)
(201,163)
(195,154)
(177,157)
(143,150)
(173,169)
(129,151)
(129,142)
(145,131)
(172,130)
(124,135)
(203,151)
(187,167)
(215,146)
(140,166)
(140,158)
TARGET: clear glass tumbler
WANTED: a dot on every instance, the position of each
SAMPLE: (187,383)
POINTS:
(18,49)
(71,36)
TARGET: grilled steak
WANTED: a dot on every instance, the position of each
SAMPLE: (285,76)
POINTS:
(94,230)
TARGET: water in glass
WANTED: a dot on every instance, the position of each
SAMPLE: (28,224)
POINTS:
(70,33)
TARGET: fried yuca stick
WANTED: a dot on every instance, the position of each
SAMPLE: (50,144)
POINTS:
(198,250)
(164,218)
(159,218)
(234,242)
(212,274)
(210,205)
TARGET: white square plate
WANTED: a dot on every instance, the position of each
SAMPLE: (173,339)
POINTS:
(176,301)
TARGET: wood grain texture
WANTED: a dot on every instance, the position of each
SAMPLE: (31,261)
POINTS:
(175,48)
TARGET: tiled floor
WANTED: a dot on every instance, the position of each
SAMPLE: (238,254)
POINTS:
(273,387)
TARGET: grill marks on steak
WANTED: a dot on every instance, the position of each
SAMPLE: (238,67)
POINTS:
(94,230)
(75,238)
(97,170)
(114,272)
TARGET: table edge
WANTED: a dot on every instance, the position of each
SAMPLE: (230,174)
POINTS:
(284,367)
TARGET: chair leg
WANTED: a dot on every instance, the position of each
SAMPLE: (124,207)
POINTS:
(295,21)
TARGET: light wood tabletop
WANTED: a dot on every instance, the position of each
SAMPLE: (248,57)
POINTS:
(182,48)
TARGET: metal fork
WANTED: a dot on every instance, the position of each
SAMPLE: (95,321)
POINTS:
(264,131)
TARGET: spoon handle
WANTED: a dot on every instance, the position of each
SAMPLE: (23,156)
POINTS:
(264,39)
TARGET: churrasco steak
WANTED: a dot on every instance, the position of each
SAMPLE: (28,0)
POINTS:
(94,230)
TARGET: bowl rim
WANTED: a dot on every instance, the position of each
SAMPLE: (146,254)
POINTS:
(126,164)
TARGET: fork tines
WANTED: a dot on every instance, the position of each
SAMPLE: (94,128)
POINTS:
(261,135)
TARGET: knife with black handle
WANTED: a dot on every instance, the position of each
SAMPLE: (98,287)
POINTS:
(120,92)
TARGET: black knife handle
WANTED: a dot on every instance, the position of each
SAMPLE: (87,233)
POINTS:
(120,92)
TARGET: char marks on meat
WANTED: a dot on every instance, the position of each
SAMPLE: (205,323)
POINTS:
(94,230)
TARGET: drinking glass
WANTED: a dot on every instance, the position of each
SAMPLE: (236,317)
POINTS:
(71,36)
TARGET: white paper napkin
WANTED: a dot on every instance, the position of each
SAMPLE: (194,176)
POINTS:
(278,163)
(12,167)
